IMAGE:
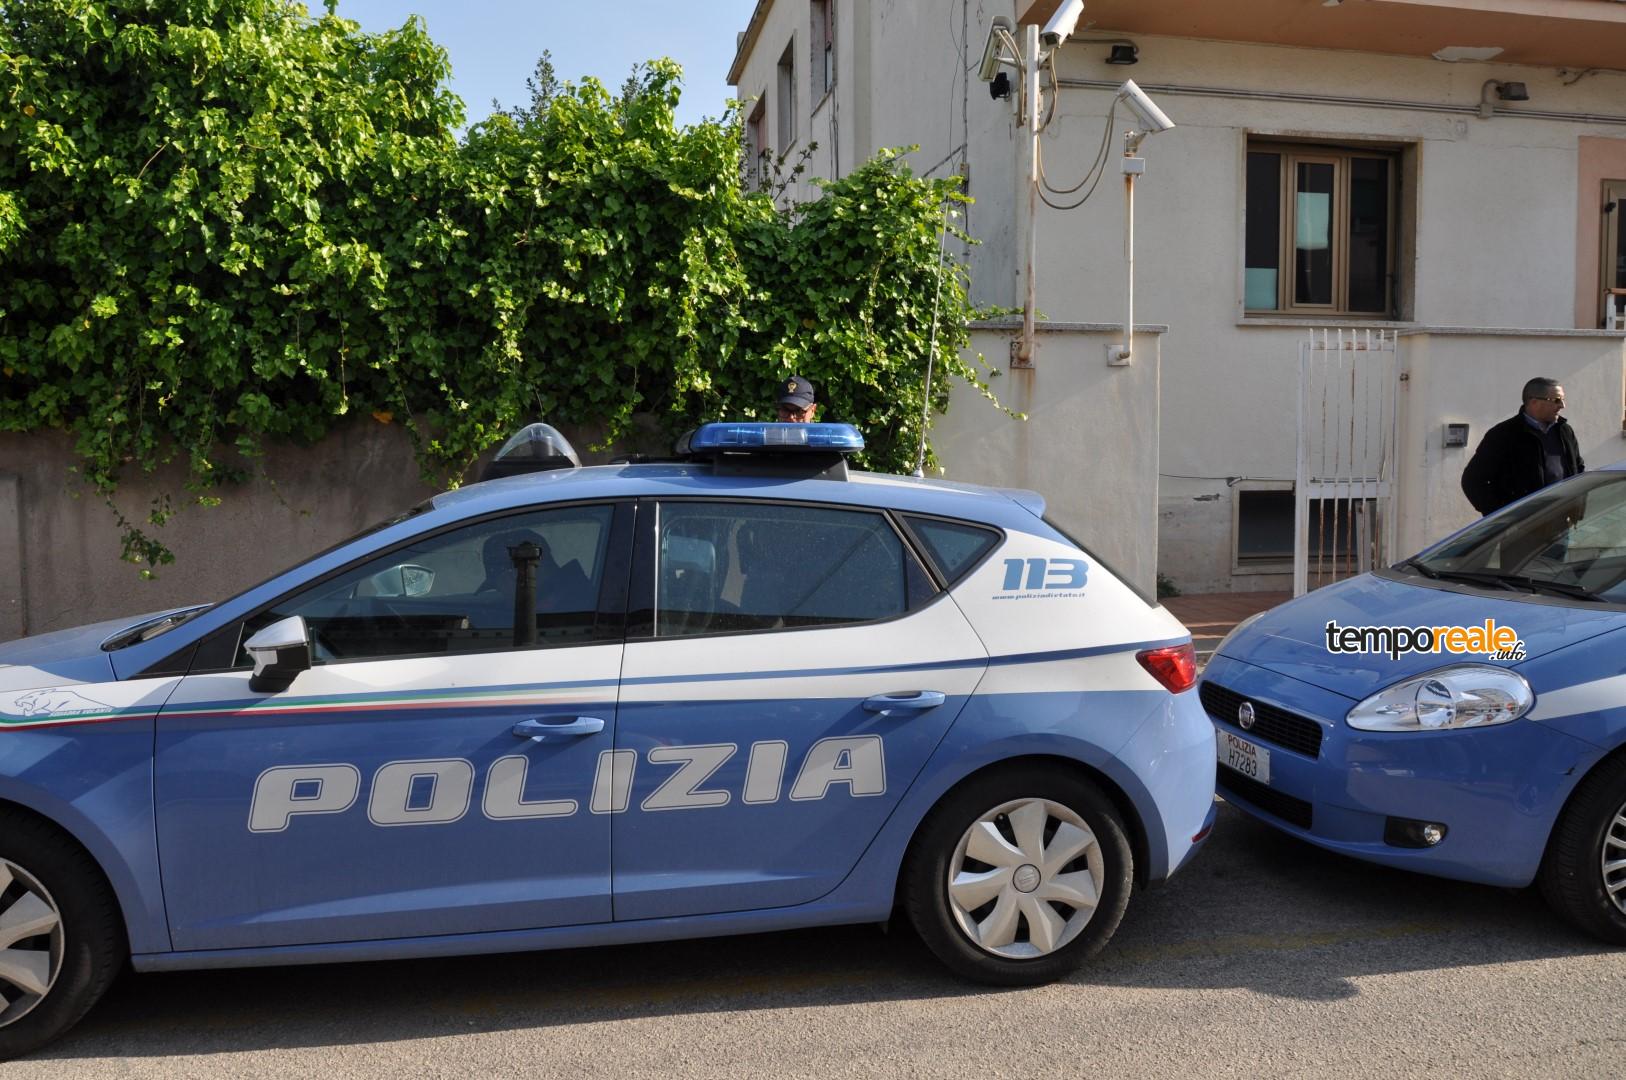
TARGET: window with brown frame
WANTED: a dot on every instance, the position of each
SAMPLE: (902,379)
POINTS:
(786,89)
(1320,234)
(822,36)
(756,146)
(1614,245)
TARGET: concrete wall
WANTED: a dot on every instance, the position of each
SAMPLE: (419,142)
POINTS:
(1475,376)
(59,544)
(1088,445)
(67,569)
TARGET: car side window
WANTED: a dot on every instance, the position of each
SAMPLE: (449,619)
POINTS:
(454,592)
(730,567)
(953,545)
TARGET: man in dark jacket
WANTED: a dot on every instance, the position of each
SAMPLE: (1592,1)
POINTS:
(1525,453)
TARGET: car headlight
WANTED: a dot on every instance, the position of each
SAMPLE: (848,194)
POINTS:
(1466,695)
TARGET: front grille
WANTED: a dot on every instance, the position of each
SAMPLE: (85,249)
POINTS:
(1291,810)
(1270,724)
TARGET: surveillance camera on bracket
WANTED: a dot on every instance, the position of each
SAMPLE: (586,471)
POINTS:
(1148,117)
(1061,24)
(991,56)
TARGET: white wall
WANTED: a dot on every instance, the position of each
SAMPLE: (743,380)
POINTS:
(1088,445)
(1475,378)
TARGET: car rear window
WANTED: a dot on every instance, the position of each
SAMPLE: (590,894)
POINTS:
(954,546)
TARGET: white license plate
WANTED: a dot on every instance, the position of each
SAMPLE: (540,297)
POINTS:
(1249,759)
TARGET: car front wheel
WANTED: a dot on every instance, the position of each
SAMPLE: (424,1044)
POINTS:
(1583,876)
(61,940)
(1019,876)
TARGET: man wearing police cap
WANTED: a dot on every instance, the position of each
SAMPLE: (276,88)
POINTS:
(796,402)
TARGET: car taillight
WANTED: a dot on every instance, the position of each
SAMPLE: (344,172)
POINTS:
(1175,666)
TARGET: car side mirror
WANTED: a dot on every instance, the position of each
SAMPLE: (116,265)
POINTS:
(405,580)
(417,580)
(280,652)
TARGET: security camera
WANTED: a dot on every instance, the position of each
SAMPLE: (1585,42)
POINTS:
(991,58)
(1060,26)
(1148,116)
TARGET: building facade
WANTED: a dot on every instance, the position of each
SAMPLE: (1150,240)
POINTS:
(1447,175)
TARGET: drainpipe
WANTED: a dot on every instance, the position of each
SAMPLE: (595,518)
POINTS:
(1030,117)
(1119,354)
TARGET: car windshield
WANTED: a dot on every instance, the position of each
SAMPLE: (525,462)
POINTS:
(1566,541)
(148,629)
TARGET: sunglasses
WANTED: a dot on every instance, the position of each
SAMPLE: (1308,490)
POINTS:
(1550,400)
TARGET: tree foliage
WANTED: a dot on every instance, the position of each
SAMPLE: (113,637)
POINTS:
(223,221)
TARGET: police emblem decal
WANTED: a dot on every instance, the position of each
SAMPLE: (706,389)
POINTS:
(1245,715)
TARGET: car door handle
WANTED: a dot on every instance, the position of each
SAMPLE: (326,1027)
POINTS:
(905,701)
(572,726)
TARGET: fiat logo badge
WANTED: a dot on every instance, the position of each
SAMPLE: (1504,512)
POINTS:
(1244,715)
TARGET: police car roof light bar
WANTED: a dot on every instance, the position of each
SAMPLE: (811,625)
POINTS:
(745,438)
(794,451)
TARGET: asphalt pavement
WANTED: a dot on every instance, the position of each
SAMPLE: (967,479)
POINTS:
(1264,957)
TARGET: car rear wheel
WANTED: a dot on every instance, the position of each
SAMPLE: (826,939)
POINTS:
(1583,876)
(1019,876)
(61,941)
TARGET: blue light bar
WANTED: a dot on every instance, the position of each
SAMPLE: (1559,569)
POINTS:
(771,438)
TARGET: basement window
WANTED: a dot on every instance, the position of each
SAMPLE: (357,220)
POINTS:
(1338,530)
(1264,528)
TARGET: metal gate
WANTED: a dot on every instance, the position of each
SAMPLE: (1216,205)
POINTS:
(1343,492)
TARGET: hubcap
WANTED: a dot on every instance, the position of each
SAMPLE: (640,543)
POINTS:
(1025,878)
(30,942)
(1613,860)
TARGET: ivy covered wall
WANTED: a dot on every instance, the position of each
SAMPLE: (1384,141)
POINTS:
(224,222)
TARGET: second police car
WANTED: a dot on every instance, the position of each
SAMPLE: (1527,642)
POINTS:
(1462,713)
(741,692)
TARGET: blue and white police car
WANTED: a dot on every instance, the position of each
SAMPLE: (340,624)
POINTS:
(742,691)
(1462,713)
